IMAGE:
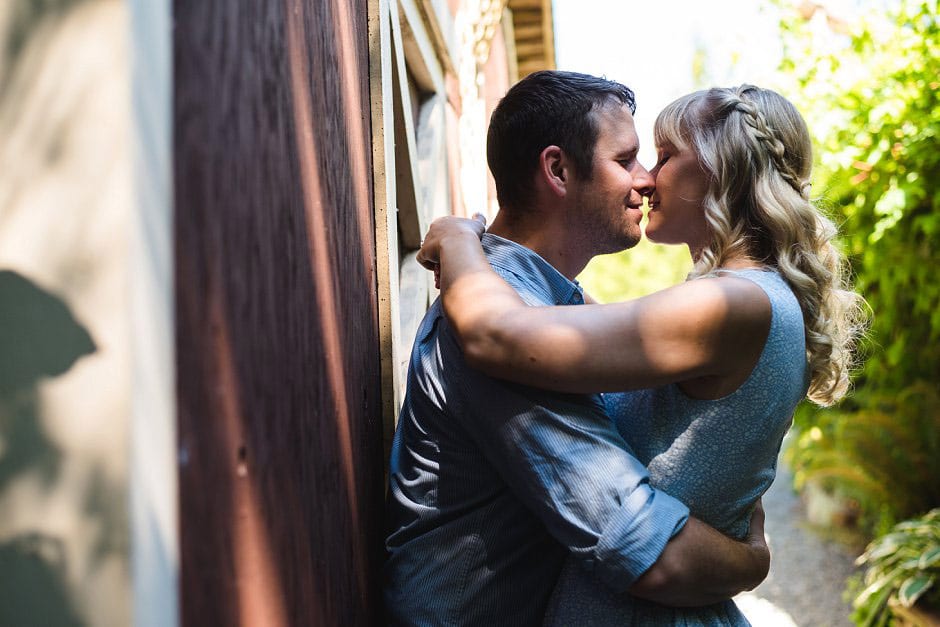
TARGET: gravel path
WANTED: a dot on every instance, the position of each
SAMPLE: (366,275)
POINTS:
(807,575)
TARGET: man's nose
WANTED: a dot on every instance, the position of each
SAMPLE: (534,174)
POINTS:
(643,181)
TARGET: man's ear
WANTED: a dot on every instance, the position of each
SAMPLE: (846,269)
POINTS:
(554,170)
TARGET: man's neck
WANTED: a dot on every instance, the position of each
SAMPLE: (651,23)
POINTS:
(546,238)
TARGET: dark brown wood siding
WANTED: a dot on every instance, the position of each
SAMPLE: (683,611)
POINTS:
(277,346)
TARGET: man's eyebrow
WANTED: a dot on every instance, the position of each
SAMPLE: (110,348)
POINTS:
(629,152)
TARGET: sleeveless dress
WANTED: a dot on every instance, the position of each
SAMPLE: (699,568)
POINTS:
(717,456)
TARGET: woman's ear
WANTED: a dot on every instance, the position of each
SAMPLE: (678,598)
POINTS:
(554,170)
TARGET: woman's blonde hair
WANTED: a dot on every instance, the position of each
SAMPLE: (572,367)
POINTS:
(756,150)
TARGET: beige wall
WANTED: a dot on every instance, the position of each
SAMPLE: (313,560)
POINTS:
(66,194)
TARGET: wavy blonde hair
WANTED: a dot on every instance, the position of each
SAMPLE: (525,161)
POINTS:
(756,150)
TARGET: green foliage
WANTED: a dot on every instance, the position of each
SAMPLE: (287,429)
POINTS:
(636,272)
(903,566)
(871,98)
(875,111)
(881,452)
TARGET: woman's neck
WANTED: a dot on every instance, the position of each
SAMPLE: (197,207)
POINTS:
(742,263)
(734,262)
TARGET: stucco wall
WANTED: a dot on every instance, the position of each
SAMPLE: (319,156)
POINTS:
(65,198)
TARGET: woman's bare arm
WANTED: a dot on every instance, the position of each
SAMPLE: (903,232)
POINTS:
(707,327)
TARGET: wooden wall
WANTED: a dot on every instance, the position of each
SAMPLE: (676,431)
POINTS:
(278,364)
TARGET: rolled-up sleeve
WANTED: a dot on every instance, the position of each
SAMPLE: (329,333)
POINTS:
(562,457)
(634,539)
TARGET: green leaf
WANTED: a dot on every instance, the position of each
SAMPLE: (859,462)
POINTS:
(929,558)
(877,588)
(910,565)
(913,587)
(877,552)
(875,607)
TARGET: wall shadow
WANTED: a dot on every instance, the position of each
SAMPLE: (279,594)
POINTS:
(24,17)
(33,592)
(39,339)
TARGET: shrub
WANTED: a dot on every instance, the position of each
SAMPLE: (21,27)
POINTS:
(871,94)
(902,567)
(881,451)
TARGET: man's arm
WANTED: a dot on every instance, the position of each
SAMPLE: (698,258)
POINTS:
(564,459)
(700,566)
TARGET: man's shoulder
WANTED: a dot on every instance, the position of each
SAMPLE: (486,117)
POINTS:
(535,280)
(433,325)
(435,345)
(529,285)
(516,277)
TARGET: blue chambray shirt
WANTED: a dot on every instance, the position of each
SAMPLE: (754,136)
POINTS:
(492,484)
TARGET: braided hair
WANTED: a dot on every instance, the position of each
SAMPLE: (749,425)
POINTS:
(756,151)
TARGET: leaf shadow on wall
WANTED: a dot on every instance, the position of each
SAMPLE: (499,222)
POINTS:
(39,338)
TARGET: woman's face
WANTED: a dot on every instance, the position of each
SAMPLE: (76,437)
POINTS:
(676,214)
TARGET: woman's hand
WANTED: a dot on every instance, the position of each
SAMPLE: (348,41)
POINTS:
(430,254)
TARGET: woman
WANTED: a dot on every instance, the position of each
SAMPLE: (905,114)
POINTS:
(719,362)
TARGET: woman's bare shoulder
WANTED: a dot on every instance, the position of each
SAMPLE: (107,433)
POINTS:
(724,296)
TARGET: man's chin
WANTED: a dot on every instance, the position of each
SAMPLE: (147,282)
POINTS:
(625,242)
(631,237)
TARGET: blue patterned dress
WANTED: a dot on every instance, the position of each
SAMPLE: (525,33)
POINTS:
(717,456)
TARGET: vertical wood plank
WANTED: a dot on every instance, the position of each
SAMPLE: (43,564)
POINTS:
(386,200)
(277,339)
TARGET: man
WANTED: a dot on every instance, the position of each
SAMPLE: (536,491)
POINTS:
(494,484)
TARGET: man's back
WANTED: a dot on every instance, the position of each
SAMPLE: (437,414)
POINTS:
(492,483)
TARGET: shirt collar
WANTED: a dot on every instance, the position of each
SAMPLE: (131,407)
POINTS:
(530,268)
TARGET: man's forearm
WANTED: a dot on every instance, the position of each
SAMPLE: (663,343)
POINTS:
(700,566)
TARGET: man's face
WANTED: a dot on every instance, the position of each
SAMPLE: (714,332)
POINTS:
(605,209)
